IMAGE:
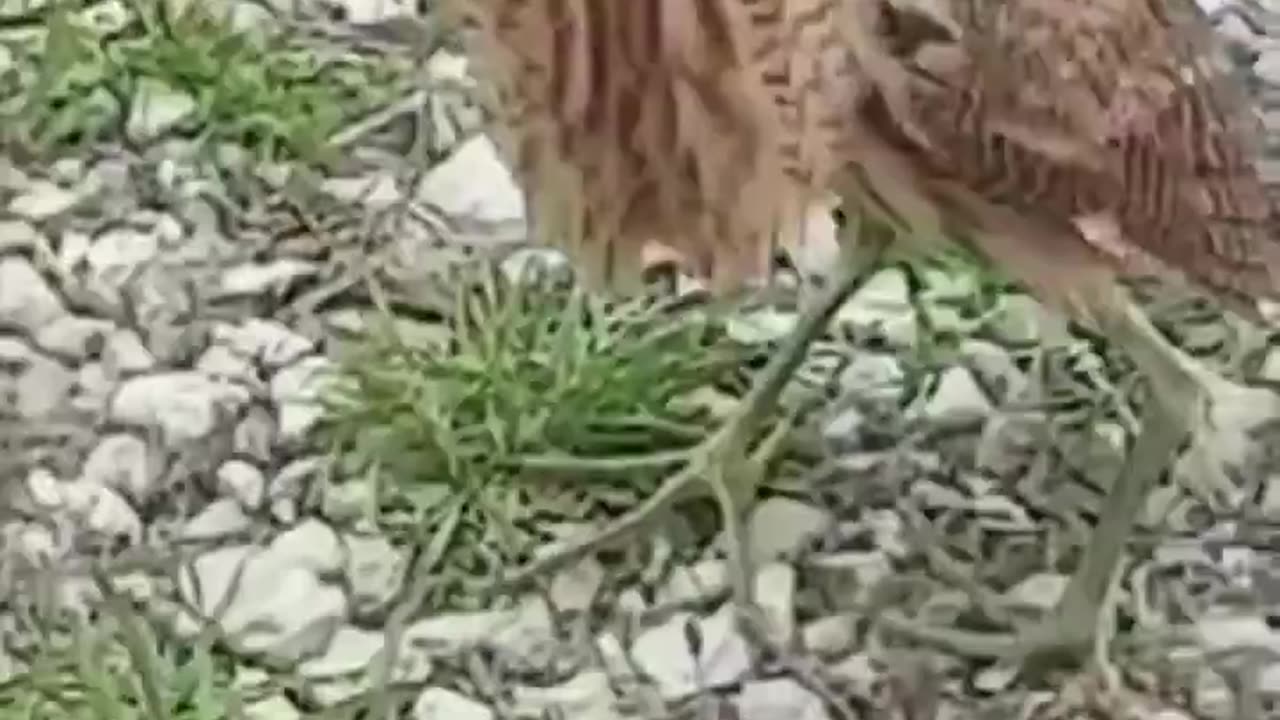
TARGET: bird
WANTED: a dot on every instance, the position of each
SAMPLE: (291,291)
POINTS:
(1070,143)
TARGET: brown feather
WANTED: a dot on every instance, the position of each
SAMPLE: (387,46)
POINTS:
(1106,123)
(1067,139)
(707,124)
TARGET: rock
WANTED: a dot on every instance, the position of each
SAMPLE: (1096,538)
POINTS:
(442,704)
(253,279)
(883,305)
(26,299)
(74,337)
(664,654)
(183,405)
(375,571)
(267,342)
(524,637)
(350,667)
(157,108)
(375,191)
(42,200)
(760,326)
(775,594)
(957,397)
(291,484)
(273,607)
(244,482)
(876,376)
(587,696)
(117,257)
(294,390)
(830,636)
(474,183)
(219,520)
(575,587)
(1039,591)
(778,699)
(275,707)
(779,527)
(43,386)
(19,235)
(694,584)
(124,463)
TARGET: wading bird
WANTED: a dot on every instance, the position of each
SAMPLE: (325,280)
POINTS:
(1067,141)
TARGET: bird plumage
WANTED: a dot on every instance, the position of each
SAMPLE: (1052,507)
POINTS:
(710,124)
(1069,141)
(1109,125)
(1103,133)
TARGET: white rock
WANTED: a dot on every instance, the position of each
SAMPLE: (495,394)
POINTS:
(375,572)
(575,587)
(663,653)
(220,519)
(74,336)
(873,375)
(883,303)
(1040,591)
(344,670)
(294,389)
(778,699)
(780,527)
(269,342)
(259,278)
(157,108)
(586,696)
(775,590)
(442,704)
(19,235)
(957,396)
(43,387)
(312,545)
(244,482)
(474,183)
(184,405)
(113,518)
(376,191)
(694,583)
(275,707)
(224,363)
(26,299)
(123,463)
(759,327)
(42,200)
(274,607)
(118,255)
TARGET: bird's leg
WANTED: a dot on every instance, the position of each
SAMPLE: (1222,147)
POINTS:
(725,460)
(1180,400)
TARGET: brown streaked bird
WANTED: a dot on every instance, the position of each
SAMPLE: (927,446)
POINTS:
(1068,141)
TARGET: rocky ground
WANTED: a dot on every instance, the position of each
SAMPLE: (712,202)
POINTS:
(258,429)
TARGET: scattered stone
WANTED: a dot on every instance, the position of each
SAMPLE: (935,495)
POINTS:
(182,405)
(664,653)
(780,698)
(42,200)
(780,527)
(26,298)
(442,704)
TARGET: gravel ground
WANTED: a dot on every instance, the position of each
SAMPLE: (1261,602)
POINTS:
(174,289)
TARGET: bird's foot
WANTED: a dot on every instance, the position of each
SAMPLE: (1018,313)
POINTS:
(723,465)
(1063,639)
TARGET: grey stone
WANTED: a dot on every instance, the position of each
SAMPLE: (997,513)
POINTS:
(442,704)
(664,655)
(778,699)
(26,299)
